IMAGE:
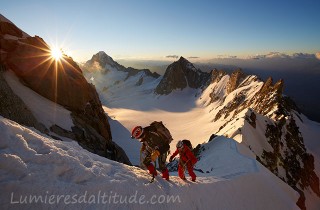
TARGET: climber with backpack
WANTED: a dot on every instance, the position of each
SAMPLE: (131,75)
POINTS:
(187,159)
(155,141)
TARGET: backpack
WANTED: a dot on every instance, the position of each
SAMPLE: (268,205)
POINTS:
(161,130)
(188,144)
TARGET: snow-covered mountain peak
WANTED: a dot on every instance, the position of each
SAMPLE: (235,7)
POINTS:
(100,61)
(103,63)
(104,57)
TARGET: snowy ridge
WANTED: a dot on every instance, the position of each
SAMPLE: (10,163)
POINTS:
(225,149)
(28,157)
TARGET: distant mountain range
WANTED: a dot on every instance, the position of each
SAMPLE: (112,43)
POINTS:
(300,71)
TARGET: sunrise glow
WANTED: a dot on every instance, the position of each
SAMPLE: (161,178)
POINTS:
(56,53)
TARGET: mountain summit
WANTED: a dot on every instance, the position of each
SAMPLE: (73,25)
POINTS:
(179,75)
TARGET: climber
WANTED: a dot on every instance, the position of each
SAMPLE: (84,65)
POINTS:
(187,159)
(154,147)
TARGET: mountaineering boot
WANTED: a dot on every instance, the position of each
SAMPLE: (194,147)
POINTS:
(165,174)
(152,170)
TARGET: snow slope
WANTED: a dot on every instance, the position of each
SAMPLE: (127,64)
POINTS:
(61,175)
(182,111)
(177,111)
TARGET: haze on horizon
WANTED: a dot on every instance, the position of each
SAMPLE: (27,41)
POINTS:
(156,29)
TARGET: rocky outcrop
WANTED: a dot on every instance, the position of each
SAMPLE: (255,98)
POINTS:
(268,97)
(61,82)
(251,118)
(289,154)
(140,81)
(235,79)
(216,75)
(179,75)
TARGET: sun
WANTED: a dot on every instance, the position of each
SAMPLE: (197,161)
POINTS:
(56,53)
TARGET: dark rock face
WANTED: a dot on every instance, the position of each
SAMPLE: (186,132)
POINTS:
(61,82)
(251,119)
(216,75)
(268,96)
(236,78)
(140,81)
(179,75)
(290,153)
(10,29)
(173,78)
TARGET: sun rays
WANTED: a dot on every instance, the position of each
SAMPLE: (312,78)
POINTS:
(50,64)
(56,53)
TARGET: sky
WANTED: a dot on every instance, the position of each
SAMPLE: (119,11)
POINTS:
(142,29)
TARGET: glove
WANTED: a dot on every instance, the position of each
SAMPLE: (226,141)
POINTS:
(154,155)
(170,159)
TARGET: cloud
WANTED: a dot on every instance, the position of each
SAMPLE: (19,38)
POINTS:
(269,55)
(227,56)
(92,67)
(277,55)
(284,55)
(256,57)
(172,56)
(193,57)
(303,55)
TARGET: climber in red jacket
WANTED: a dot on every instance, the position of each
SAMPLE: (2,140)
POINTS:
(187,159)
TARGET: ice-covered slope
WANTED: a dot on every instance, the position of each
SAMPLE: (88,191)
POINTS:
(178,111)
(38,172)
(243,107)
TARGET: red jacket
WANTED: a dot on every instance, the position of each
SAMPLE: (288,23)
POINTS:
(185,155)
